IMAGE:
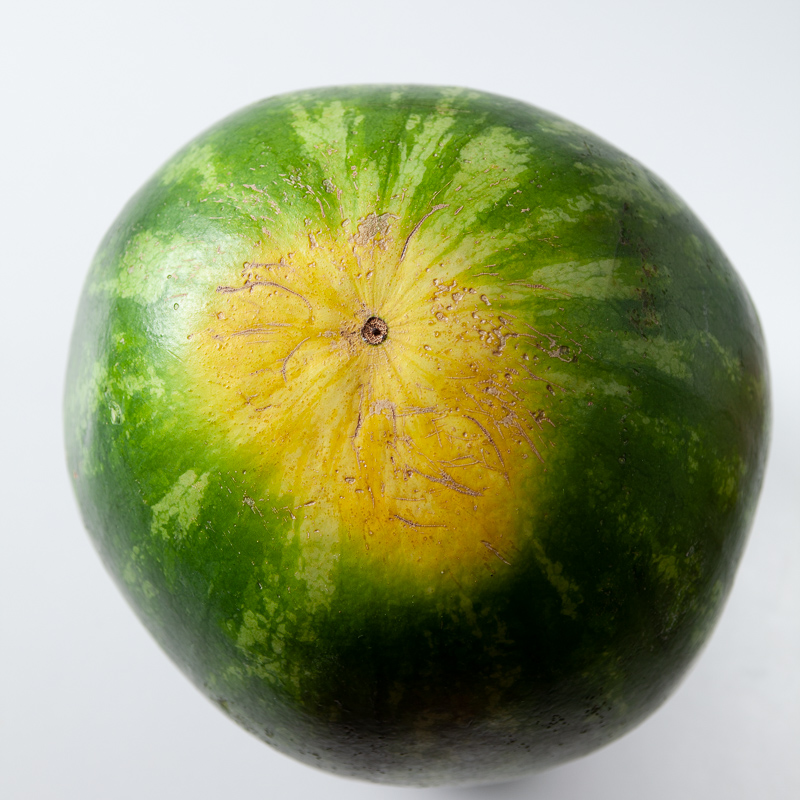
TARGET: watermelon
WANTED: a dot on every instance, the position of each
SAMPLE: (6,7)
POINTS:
(423,429)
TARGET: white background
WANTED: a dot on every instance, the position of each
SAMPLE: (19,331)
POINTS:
(96,95)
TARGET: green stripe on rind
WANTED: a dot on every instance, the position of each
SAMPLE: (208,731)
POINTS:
(624,558)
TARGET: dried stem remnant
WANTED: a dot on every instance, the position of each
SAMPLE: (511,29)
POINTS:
(375,331)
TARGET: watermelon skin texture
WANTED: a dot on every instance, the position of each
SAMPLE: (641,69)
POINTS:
(490,544)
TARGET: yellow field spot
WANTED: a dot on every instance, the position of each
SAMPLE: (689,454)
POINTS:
(417,439)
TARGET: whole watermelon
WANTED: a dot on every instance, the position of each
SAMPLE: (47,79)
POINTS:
(422,428)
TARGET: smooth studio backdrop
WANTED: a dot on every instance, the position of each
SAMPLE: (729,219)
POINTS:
(96,95)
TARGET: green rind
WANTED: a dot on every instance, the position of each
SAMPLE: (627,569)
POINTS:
(627,548)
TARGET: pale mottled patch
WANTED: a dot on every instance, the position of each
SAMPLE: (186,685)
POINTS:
(580,203)
(354,180)
(728,359)
(627,180)
(262,637)
(319,559)
(253,631)
(325,131)
(88,391)
(671,358)
(489,165)
(134,578)
(324,137)
(564,129)
(572,279)
(667,566)
(550,219)
(728,474)
(567,590)
(607,388)
(177,511)
(153,266)
(429,136)
(141,270)
(694,454)
(197,160)
(137,383)
(99,395)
